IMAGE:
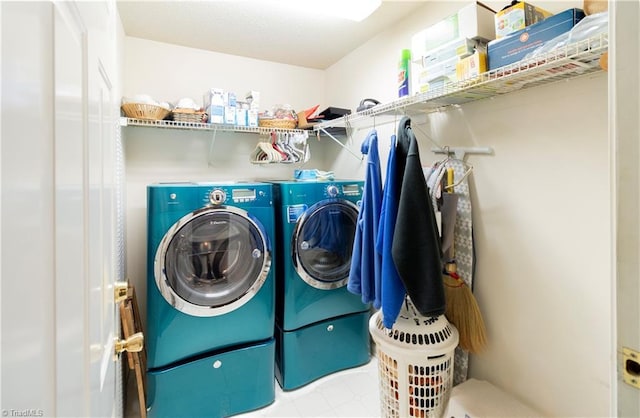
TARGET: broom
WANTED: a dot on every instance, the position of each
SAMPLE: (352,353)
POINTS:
(461,306)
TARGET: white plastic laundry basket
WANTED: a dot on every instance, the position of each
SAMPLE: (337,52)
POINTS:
(415,363)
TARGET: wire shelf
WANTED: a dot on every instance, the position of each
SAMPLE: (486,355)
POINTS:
(568,62)
(197,126)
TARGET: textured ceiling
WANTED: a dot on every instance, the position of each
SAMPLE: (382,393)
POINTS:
(261,29)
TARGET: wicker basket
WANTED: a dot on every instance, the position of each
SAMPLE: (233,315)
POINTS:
(144,111)
(277,123)
(189,115)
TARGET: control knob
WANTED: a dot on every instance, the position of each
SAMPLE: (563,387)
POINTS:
(217,196)
(332,190)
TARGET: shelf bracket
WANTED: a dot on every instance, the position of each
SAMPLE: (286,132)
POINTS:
(461,152)
(213,140)
(337,141)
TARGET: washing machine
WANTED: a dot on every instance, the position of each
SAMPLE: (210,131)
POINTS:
(321,328)
(210,299)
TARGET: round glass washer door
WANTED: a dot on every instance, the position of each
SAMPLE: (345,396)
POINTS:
(212,261)
(322,243)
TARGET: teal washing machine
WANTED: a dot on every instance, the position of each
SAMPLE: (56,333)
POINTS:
(210,299)
(321,328)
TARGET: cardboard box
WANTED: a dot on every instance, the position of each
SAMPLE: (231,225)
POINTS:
(518,17)
(514,47)
(460,48)
(473,21)
(252,118)
(471,66)
(438,84)
(443,72)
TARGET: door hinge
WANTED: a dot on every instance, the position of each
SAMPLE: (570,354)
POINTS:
(133,344)
(120,291)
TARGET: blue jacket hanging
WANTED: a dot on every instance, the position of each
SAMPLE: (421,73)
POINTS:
(364,276)
(416,240)
(393,291)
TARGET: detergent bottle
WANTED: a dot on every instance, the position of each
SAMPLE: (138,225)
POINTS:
(403,73)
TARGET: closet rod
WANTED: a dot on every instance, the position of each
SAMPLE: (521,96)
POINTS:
(337,141)
(461,152)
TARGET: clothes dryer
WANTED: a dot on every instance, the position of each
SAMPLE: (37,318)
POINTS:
(210,299)
(320,327)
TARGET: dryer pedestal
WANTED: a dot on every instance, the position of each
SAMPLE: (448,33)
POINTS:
(219,385)
(325,347)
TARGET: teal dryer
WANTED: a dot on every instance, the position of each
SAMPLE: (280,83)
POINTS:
(321,328)
(210,299)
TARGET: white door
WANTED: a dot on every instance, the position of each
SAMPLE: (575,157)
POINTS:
(59,206)
(99,203)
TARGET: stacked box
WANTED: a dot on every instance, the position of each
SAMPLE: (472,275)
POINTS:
(230,104)
(437,74)
(514,47)
(472,66)
(474,21)
(460,48)
(214,105)
(437,49)
(518,17)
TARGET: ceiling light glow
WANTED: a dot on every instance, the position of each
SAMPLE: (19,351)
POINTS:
(355,10)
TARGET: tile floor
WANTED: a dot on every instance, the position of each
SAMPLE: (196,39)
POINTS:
(348,393)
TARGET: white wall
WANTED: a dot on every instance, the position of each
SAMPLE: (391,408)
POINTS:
(170,72)
(541,219)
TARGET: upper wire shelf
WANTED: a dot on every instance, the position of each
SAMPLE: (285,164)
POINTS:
(567,62)
(171,124)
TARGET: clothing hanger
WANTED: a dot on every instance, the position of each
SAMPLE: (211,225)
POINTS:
(274,145)
(448,157)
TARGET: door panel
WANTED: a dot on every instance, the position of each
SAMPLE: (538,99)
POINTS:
(69,55)
(98,208)
(100,238)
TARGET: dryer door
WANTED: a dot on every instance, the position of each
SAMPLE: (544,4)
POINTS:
(212,261)
(323,241)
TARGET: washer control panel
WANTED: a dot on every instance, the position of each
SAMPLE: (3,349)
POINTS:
(332,190)
(219,195)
